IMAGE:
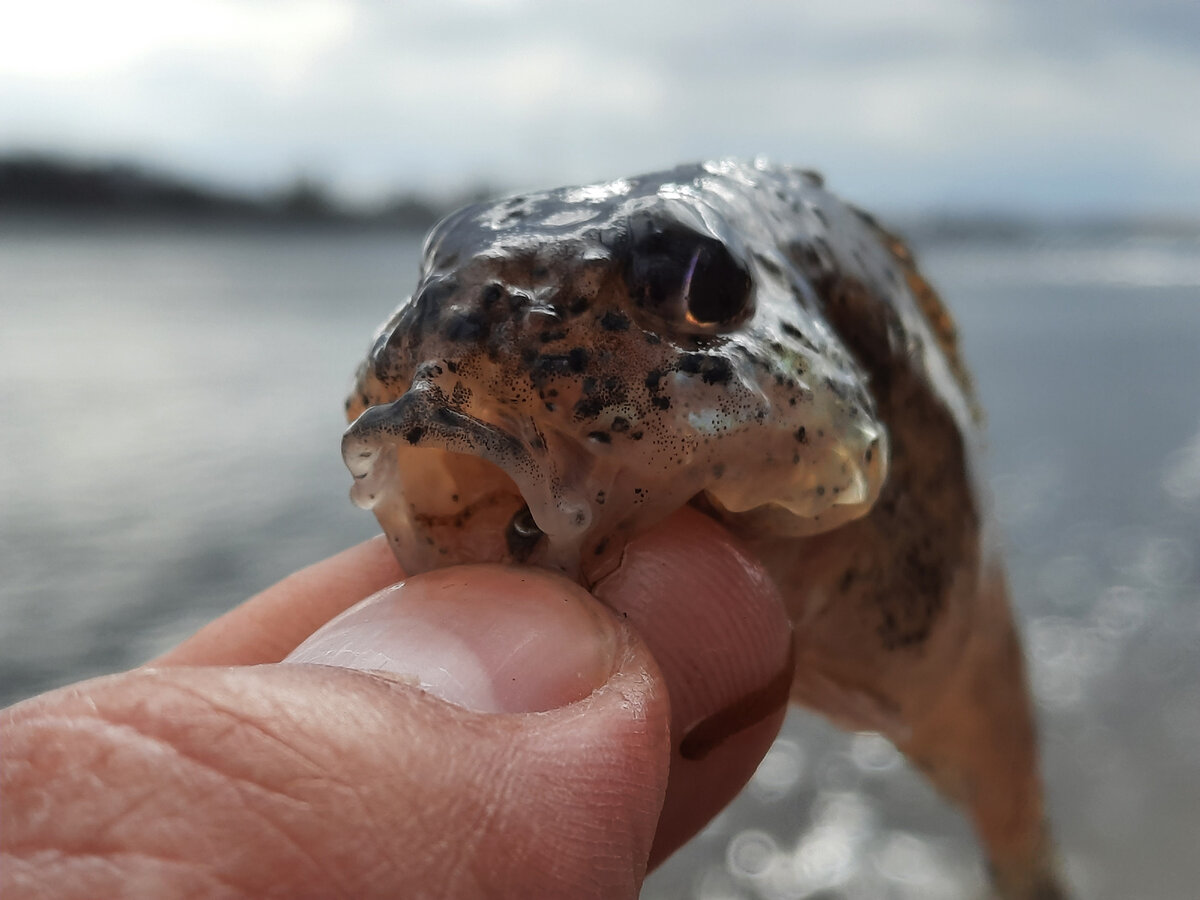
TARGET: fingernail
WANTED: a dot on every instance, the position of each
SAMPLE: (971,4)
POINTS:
(487,638)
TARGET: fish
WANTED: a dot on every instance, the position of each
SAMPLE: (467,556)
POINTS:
(576,364)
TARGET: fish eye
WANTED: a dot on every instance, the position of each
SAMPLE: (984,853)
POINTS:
(685,276)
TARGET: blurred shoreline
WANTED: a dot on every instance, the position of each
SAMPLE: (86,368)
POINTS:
(43,190)
(48,188)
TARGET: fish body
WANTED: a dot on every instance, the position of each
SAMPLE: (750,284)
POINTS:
(576,364)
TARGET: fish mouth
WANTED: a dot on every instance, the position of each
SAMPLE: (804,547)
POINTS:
(451,486)
(455,476)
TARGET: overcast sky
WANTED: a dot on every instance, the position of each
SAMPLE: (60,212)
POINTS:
(1007,104)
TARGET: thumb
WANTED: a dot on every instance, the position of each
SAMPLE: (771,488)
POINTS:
(560,794)
(543,776)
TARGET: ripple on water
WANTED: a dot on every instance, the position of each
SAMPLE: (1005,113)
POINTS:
(717,884)
(916,867)
(1065,658)
(873,753)
(827,854)
(752,854)
(780,771)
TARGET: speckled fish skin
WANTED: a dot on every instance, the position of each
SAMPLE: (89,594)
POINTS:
(575,365)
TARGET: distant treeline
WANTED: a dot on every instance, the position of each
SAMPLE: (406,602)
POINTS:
(47,185)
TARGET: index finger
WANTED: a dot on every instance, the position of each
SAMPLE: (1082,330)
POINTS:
(271,624)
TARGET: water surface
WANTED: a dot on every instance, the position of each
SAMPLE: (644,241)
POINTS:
(170,413)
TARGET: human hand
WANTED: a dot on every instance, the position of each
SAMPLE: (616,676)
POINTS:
(555,769)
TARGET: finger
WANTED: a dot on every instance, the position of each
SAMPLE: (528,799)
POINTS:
(305,780)
(719,631)
(269,625)
(708,611)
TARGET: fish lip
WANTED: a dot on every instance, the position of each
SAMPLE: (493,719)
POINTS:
(424,417)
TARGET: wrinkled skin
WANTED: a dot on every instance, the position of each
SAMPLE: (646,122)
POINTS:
(576,364)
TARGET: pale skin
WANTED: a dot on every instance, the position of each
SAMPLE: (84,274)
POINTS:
(218,771)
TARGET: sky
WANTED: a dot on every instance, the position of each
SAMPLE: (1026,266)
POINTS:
(1045,106)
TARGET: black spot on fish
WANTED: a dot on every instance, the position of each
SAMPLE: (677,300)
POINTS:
(802,434)
(464,326)
(578,359)
(769,264)
(661,402)
(847,579)
(414,434)
(589,407)
(490,294)
(547,364)
(791,330)
(614,321)
(717,371)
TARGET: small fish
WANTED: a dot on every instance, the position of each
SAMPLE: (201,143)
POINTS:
(575,365)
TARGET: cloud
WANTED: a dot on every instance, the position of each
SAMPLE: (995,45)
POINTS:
(933,101)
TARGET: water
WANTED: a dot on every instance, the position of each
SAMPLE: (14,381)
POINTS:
(170,411)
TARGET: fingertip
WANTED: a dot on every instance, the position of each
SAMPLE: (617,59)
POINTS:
(273,622)
(710,614)
(718,629)
(699,789)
